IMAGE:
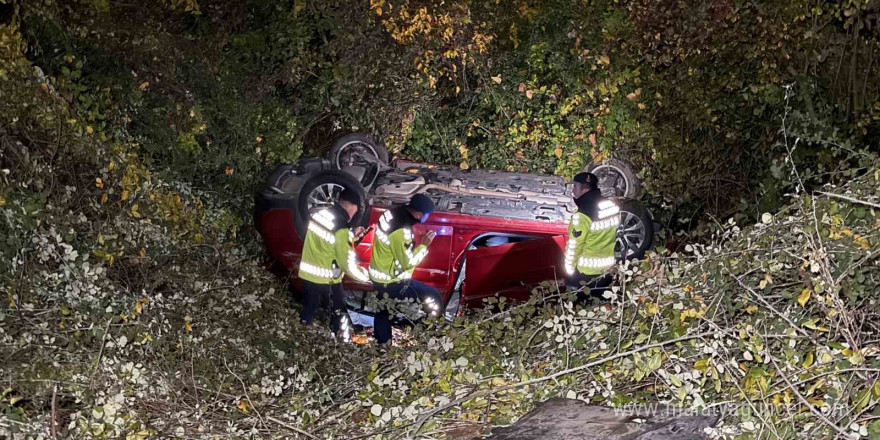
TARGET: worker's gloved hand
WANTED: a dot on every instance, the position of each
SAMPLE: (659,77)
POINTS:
(428,238)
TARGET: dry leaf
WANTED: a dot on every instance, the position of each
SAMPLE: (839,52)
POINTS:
(522,87)
(593,139)
(99,182)
(230,171)
(124,194)
(497,79)
(144,85)
(804,297)
(529,94)
(103,198)
(242,405)
(605,60)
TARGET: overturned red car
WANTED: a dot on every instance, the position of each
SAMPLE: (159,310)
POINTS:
(498,233)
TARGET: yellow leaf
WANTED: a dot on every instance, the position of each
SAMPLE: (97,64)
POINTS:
(804,297)
(111,166)
(242,405)
(99,182)
(144,86)
(2,201)
(134,211)
(103,198)
(124,194)
(558,152)
(198,238)
(463,165)
(631,96)
(641,106)
(143,253)
(767,280)
(497,79)
(808,360)
(751,309)
(138,308)
(188,327)
(605,60)
(652,309)
(45,87)
(457,90)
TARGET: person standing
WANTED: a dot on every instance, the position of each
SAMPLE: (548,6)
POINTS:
(328,254)
(592,234)
(394,258)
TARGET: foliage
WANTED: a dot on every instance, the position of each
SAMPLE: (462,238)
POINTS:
(131,135)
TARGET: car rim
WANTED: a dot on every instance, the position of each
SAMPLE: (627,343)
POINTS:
(611,178)
(630,235)
(324,195)
(355,153)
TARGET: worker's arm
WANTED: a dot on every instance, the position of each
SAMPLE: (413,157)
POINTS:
(574,247)
(346,257)
(403,251)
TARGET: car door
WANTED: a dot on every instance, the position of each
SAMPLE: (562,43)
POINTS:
(512,270)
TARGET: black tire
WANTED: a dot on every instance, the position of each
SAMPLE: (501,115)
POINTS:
(616,178)
(636,228)
(362,140)
(324,182)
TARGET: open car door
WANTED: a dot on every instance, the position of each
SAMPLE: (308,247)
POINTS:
(512,270)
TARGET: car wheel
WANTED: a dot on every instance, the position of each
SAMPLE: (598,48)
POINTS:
(616,178)
(359,150)
(635,235)
(322,191)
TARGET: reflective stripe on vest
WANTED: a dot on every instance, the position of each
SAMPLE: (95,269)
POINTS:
(596,262)
(379,275)
(356,271)
(325,218)
(608,223)
(569,252)
(317,271)
(322,233)
(607,208)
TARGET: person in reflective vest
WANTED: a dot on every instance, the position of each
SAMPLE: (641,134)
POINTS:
(592,233)
(394,258)
(328,254)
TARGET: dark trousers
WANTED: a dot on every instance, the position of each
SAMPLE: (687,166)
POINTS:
(314,293)
(588,286)
(429,297)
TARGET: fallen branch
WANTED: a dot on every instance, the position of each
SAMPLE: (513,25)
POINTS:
(54,412)
(850,199)
(421,421)
(775,312)
(101,351)
(804,401)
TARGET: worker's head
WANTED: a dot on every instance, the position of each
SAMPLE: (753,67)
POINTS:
(420,206)
(348,200)
(584,183)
